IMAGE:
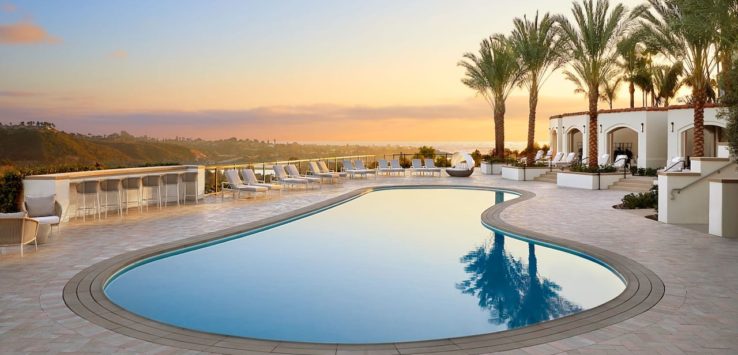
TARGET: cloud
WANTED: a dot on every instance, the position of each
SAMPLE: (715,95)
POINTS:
(10,93)
(119,54)
(7,7)
(25,32)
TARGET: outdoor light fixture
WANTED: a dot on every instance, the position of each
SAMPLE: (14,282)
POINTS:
(641,127)
(600,128)
(672,127)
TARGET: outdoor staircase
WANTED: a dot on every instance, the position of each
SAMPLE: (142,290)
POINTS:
(547,177)
(634,184)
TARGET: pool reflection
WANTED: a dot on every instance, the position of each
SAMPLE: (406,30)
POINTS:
(512,291)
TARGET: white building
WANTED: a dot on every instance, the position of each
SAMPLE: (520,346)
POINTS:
(653,134)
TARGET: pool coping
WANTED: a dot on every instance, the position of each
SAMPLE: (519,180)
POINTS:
(84,295)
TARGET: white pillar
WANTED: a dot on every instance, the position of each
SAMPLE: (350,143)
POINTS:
(722,208)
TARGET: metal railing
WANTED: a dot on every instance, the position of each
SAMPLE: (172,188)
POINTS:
(677,191)
(214,173)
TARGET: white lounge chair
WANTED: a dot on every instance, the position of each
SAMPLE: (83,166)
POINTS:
(548,156)
(395,166)
(348,168)
(604,159)
(430,167)
(250,179)
(537,157)
(383,167)
(292,172)
(284,179)
(235,184)
(315,171)
(675,165)
(556,159)
(360,167)
(567,161)
(417,167)
(324,169)
(619,161)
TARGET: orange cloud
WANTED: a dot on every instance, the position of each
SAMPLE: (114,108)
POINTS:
(119,54)
(25,33)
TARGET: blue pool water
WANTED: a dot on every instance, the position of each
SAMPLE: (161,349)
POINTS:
(392,265)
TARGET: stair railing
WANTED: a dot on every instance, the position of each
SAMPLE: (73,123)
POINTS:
(677,191)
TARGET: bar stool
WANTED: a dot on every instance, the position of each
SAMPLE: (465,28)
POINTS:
(189,178)
(106,187)
(153,183)
(170,179)
(87,188)
(132,184)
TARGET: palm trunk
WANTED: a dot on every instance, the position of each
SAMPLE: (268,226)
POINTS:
(500,129)
(632,90)
(699,96)
(532,104)
(592,136)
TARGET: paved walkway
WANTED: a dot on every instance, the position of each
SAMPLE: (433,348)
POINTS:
(699,313)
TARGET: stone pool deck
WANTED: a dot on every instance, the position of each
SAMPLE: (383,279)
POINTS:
(698,314)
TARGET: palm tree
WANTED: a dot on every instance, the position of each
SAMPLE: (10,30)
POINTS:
(591,42)
(684,31)
(666,82)
(630,50)
(493,73)
(536,44)
(643,79)
(727,21)
(609,89)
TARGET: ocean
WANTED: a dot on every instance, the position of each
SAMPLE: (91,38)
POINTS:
(444,146)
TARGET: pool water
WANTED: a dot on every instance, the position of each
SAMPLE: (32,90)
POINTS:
(390,266)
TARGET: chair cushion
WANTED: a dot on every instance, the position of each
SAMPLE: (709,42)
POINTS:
(47,220)
(40,206)
(12,215)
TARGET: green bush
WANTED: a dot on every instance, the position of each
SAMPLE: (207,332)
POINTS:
(11,187)
(635,171)
(584,168)
(641,200)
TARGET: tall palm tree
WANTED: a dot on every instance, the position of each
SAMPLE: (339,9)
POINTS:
(666,82)
(537,46)
(591,42)
(493,73)
(727,22)
(684,31)
(609,89)
(630,51)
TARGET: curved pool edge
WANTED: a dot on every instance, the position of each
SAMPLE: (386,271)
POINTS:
(84,294)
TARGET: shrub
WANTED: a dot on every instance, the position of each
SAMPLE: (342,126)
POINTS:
(11,188)
(584,168)
(641,200)
(643,172)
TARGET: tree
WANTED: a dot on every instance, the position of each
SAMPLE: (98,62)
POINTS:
(666,82)
(630,51)
(729,112)
(684,31)
(591,42)
(536,44)
(609,89)
(493,73)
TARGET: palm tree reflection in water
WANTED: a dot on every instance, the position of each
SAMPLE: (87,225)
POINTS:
(512,291)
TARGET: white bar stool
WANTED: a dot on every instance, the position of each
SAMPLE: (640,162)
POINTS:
(108,186)
(189,183)
(87,188)
(153,184)
(133,184)
(170,179)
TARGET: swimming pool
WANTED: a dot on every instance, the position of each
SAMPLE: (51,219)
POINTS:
(389,266)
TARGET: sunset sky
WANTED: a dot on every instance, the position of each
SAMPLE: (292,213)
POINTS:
(380,70)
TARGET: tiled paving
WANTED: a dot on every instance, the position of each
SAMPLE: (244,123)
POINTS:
(698,314)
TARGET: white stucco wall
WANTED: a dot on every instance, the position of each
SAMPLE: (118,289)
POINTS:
(682,120)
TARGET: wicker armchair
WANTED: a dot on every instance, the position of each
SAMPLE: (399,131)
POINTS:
(18,231)
(54,220)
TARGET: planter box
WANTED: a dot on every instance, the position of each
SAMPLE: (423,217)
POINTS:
(587,181)
(492,168)
(522,174)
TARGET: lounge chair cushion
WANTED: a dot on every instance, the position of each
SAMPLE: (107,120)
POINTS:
(12,215)
(47,220)
(40,206)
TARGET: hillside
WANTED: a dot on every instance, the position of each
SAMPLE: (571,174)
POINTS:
(40,145)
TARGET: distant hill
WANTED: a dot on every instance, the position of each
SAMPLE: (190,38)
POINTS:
(30,145)
(39,144)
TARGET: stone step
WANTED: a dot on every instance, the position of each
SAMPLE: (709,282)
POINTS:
(549,176)
(634,184)
(628,188)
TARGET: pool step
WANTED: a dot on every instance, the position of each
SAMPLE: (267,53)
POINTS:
(634,184)
(550,176)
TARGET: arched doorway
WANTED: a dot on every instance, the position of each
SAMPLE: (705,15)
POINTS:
(623,141)
(554,142)
(713,136)
(574,141)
